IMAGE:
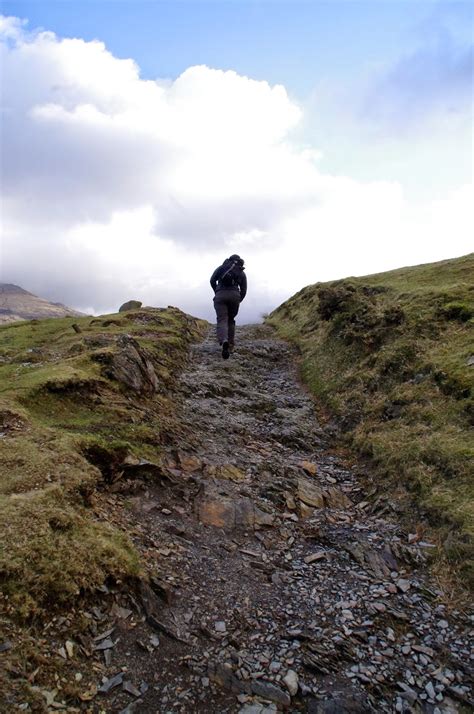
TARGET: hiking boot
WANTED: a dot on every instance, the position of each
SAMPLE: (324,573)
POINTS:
(231,347)
(225,350)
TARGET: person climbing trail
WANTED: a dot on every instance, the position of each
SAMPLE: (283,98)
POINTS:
(229,283)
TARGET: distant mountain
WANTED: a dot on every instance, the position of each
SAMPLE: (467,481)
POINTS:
(18,304)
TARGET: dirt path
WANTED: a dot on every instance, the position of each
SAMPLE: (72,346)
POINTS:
(276,583)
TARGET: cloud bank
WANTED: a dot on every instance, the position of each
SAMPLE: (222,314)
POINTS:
(116,187)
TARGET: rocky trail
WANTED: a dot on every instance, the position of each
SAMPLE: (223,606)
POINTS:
(276,582)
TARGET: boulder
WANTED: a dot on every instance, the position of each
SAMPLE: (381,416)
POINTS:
(130,305)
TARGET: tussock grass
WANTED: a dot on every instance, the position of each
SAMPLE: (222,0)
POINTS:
(58,405)
(389,354)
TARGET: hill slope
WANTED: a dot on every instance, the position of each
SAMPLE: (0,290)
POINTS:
(18,304)
(392,355)
(76,404)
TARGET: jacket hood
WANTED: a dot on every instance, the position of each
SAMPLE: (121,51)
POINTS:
(236,259)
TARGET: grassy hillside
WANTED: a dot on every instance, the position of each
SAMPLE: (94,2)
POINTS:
(80,399)
(392,355)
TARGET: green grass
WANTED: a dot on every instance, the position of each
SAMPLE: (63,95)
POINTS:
(58,406)
(388,354)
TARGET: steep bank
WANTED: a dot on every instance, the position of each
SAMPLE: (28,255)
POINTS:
(392,356)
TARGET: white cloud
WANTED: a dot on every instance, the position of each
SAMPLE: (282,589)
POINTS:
(118,187)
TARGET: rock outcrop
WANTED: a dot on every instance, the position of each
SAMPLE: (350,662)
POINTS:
(132,367)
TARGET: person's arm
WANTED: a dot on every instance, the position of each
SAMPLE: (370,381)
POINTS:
(243,286)
(214,278)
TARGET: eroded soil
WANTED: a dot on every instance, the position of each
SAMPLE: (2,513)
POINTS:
(276,581)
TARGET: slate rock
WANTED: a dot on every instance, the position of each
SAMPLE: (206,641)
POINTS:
(344,704)
(132,367)
(225,512)
(258,709)
(270,691)
(111,683)
(310,494)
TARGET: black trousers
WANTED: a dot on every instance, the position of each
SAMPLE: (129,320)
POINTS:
(226,304)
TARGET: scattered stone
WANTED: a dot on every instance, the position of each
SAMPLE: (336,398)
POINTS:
(408,693)
(403,585)
(105,644)
(220,626)
(131,689)
(270,691)
(314,557)
(291,682)
(424,650)
(111,683)
(258,709)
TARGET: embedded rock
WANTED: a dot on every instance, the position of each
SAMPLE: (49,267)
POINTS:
(310,494)
(133,368)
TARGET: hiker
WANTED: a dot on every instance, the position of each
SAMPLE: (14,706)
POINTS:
(229,283)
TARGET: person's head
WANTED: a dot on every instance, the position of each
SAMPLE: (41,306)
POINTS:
(237,259)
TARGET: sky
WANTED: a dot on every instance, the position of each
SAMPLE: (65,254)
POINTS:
(143,142)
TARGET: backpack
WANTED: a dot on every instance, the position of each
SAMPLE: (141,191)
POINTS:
(232,272)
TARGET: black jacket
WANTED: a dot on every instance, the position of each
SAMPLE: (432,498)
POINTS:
(240,279)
